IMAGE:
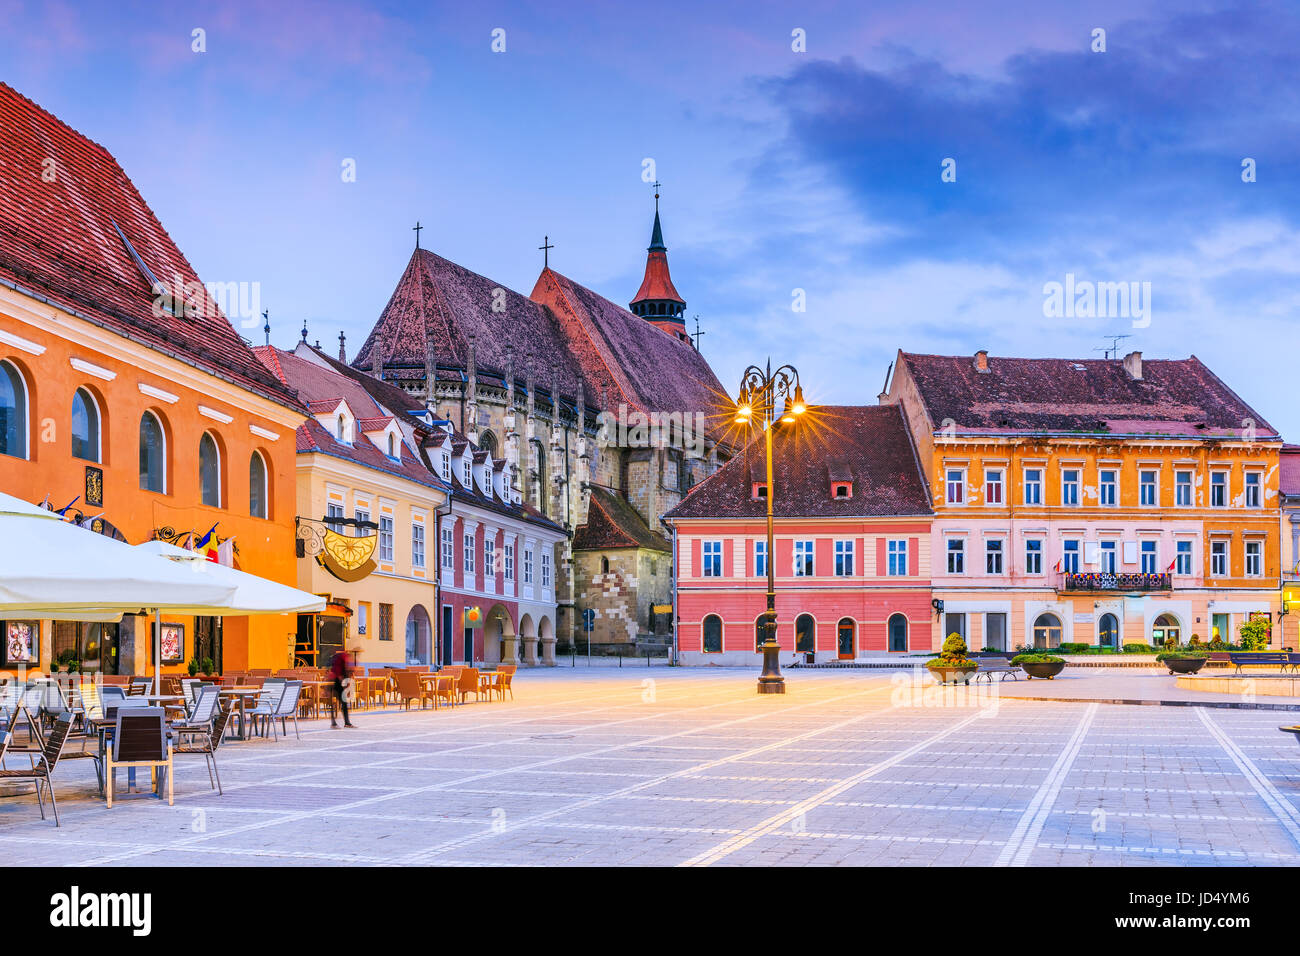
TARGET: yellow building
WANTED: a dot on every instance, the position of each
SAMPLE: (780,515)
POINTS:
(1290,543)
(368,508)
(1101,502)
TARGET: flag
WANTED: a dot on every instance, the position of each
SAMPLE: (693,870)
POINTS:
(88,523)
(203,541)
(226,552)
(64,509)
(206,546)
(1171,564)
(1058,564)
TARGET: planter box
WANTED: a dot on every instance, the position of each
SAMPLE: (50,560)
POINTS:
(954,675)
(1047,670)
(1184,665)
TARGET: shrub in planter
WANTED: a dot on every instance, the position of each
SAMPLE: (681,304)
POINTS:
(1075,647)
(208,666)
(193,666)
(1040,665)
(1185,660)
(1136,647)
(952,662)
(1254,635)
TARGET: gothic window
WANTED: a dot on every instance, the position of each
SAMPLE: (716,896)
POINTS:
(13,411)
(85,426)
(209,471)
(153,454)
(257,485)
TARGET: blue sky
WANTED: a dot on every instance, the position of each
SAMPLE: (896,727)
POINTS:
(782,170)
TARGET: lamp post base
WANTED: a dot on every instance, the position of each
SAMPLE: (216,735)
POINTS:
(771,681)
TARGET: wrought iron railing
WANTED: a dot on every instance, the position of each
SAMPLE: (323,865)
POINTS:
(1114,581)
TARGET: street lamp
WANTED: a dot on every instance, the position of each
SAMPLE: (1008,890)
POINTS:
(760,390)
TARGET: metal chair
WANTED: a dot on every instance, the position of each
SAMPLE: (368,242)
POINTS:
(206,743)
(140,740)
(286,708)
(202,713)
(43,768)
(139,686)
(268,700)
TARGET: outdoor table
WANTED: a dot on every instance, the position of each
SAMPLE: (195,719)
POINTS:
(240,694)
(311,689)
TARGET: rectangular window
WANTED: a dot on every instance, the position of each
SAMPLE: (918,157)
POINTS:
(1149,557)
(546,569)
(803,559)
(956,486)
(993,557)
(1070,557)
(1183,489)
(995,631)
(363,616)
(897,551)
(360,515)
(956,556)
(1219,559)
(1108,557)
(385,622)
(333,511)
(1219,489)
(1254,559)
(469,553)
(1107,482)
(510,562)
(712,564)
(448,549)
(1033,556)
(1148,488)
(1253,489)
(489,558)
(954,624)
(760,559)
(528,566)
(1070,486)
(1183,557)
(417,544)
(993,486)
(446,467)
(386,538)
(1221,626)
(844,558)
(1033,486)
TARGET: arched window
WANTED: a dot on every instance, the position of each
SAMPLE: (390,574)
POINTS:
(805,629)
(257,499)
(153,454)
(1108,631)
(898,633)
(1165,629)
(13,411)
(1047,631)
(85,426)
(488,443)
(604,565)
(209,471)
(845,632)
(713,634)
(392,446)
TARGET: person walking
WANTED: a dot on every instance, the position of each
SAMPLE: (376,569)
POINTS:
(341,674)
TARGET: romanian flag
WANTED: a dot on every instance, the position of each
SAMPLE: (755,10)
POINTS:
(207,546)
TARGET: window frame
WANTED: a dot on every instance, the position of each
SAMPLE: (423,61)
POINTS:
(896,558)
(844,549)
(162,451)
(958,552)
(804,555)
(92,406)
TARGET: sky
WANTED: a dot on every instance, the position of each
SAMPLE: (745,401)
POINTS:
(839,180)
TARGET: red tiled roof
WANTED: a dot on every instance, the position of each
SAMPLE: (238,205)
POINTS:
(1289,471)
(57,240)
(657,284)
(613,523)
(376,424)
(867,445)
(315,437)
(1176,397)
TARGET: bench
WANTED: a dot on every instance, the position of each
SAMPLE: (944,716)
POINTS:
(1280,658)
(995,665)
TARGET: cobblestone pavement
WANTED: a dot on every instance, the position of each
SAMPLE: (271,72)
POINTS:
(667,766)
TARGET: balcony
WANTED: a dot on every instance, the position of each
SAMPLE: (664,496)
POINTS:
(1109,582)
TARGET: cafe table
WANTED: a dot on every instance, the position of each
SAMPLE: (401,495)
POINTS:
(240,695)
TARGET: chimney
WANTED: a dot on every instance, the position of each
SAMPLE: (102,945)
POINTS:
(1133,365)
(982,360)
(377,358)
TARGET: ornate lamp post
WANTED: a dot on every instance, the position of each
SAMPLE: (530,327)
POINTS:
(760,390)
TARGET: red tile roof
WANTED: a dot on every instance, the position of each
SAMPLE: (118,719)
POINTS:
(1174,397)
(58,240)
(657,284)
(1289,472)
(613,523)
(867,445)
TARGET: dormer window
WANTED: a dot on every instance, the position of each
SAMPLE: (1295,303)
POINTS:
(446,467)
(467,472)
(841,489)
(392,445)
(759,492)
(338,430)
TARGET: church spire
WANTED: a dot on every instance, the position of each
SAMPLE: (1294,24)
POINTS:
(657,301)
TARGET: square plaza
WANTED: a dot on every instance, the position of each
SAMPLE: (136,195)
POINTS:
(671,766)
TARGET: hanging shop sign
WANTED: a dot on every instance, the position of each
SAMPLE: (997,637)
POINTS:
(347,557)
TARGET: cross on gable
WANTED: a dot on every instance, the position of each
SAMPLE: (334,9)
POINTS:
(416,229)
(546,248)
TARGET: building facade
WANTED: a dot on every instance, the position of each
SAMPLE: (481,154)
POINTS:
(1289,484)
(127,396)
(1101,502)
(852,544)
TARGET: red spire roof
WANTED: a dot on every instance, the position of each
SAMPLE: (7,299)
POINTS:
(657,284)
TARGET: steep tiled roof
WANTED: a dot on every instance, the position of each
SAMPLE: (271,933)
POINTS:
(870,445)
(1289,477)
(1177,397)
(315,437)
(472,495)
(613,523)
(62,200)
(390,396)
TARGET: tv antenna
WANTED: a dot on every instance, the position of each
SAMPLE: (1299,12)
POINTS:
(1112,350)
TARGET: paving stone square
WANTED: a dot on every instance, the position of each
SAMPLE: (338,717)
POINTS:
(680,766)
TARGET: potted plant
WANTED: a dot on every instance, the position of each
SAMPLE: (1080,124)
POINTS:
(1040,665)
(208,666)
(1185,660)
(952,664)
(193,666)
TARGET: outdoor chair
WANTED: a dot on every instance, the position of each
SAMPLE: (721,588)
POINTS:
(467,683)
(286,708)
(442,688)
(187,689)
(501,681)
(43,768)
(267,703)
(202,713)
(139,686)
(205,743)
(409,688)
(140,740)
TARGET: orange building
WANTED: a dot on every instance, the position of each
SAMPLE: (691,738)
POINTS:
(126,393)
(1101,502)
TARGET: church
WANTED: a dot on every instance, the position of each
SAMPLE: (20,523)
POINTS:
(546,383)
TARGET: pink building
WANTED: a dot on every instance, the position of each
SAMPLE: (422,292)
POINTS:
(852,544)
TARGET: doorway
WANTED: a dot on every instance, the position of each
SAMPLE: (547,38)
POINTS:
(1108,631)
(207,640)
(1166,630)
(446,635)
(844,639)
(805,629)
(898,633)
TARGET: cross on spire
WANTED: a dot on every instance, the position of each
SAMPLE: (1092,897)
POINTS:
(416,229)
(304,330)
(266,314)
(546,248)
(656,184)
